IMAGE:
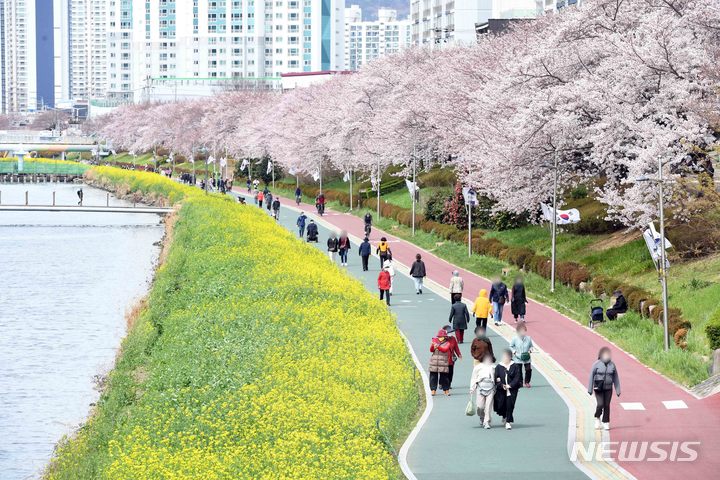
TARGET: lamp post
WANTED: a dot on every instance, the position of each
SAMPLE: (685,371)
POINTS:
(554,224)
(414,189)
(662,268)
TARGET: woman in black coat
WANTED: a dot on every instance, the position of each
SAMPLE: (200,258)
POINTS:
(459,318)
(518,301)
(508,378)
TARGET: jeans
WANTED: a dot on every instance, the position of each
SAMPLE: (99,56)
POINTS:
(497,312)
(365,259)
(418,283)
(301,231)
(343,255)
(528,372)
(387,295)
(603,398)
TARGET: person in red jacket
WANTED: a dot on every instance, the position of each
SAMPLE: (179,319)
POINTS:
(384,282)
(453,354)
(440,349)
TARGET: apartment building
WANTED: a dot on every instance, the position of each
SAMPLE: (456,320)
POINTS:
(368,40)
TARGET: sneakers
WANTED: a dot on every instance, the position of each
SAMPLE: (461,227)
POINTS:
(508,426)
(486,425)
(606,426)
(421,291)
(417,293)
(598,424)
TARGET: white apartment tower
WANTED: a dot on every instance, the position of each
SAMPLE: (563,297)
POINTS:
(445,22)
(365,41)
(87,43)
(177,43)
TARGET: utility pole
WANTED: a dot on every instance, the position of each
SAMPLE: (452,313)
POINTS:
(663,258)
(414,190)
(350,173)
(378,188)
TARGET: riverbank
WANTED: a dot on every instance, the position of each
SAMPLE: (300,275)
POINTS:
(238,366)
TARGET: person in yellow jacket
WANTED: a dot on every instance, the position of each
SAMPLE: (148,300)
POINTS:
(482,309)
(383,251)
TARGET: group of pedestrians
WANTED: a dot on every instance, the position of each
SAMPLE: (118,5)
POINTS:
(265,196)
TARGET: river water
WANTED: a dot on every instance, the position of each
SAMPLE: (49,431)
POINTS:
(66,282)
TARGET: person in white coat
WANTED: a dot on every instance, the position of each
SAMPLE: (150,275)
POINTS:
(390,267)
(482,385)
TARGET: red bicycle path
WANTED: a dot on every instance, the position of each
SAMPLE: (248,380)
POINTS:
(575,348)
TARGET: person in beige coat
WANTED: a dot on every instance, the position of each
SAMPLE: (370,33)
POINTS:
(456,287)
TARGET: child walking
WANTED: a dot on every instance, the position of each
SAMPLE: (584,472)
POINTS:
(508,377)
(522,346)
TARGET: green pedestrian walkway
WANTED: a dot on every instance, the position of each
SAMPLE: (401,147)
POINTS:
(451,445)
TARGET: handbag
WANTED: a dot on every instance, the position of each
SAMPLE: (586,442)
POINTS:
(470,407)
(525,357)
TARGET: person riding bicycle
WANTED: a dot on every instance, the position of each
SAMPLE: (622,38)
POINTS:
(320,203)
(298,195)
(368,224)
(312,232)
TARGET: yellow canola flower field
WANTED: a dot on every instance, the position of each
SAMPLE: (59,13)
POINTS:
(255,358)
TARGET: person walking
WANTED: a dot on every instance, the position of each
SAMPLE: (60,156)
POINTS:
(298,195)
(301,220)
(384,285)
(620,306)
(456,286)
(365,250)
(383,251)
(343,248)
(439,369)
(481,346)
(522,346)
(418,273)
(454,354)
(276,208)
(80,195)
(508,378)
(459,318)
(248,184)
(389,265)
(603,377)
(260,198)
(498,297)
(482,309)
(269,201)
(312,232)
(482,385)
(332,246)
(518,300)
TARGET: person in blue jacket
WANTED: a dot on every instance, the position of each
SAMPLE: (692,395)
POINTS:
(301,224)
(365,251)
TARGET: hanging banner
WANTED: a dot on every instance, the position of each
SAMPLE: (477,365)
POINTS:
(292,171)
(316,176)
(346,177)
(652,240)
(244,164)
(131,153)
(564,217)
(192,160)
(470,196)
(171,158)
(223,162)
(210,160)
(269,168)
(373,182)
(412,187)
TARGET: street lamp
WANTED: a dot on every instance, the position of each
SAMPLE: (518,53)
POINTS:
(662,268)
(554,224)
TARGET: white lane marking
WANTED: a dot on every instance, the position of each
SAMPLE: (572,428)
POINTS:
(674,404)
(632,405)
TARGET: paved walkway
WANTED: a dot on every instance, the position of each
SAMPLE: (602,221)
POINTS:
(651,409)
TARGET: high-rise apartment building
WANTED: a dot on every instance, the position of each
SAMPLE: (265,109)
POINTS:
(444,22)
(176,43)
(368,40)
(87,42)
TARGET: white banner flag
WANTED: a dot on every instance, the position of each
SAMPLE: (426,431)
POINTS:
(652,240)
(113,152)
(192,159)
(244,164)
(373,182)
(411,186)
(564,217)
(269,168)
(210,160)
(292,171)
(346,177)
(131,153)
(316,176)
(171,158)
(223,162)
(470,196)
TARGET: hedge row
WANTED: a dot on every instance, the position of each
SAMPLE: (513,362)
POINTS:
(712,329)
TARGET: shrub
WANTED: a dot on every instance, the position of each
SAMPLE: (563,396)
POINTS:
(441,177)
(712,330)
(435,205)
(598,285)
